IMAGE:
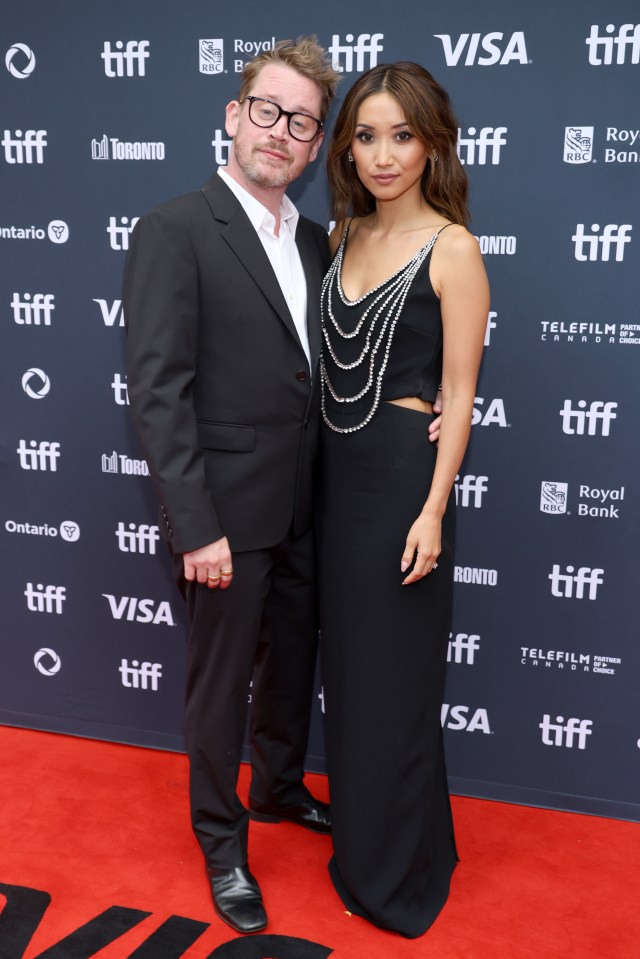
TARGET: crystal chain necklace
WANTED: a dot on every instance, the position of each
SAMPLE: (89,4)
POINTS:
(391,295)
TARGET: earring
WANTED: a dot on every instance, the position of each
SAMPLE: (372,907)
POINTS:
(350,156)
(435,158)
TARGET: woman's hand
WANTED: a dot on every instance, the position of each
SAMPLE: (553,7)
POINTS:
(424,543)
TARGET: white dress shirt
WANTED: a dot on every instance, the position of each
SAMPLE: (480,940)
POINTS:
(282,252)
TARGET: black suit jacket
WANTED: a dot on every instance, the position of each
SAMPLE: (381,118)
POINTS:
(218,382)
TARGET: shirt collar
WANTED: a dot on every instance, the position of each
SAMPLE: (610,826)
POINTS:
(256,211)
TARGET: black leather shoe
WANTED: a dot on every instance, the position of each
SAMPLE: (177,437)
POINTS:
(312,814)
(237,899)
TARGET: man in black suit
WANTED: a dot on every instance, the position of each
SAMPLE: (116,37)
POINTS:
(221,297)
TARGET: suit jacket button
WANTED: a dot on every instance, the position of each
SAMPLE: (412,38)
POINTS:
(301,375)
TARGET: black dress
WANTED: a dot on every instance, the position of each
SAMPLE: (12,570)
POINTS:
(384,645)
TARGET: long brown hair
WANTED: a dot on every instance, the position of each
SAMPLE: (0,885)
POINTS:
(430,116)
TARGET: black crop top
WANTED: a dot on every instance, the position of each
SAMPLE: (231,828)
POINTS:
(414,358)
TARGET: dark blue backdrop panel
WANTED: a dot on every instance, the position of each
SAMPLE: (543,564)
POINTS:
(106,113)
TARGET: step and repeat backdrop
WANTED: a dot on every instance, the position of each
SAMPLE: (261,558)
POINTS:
(109,109)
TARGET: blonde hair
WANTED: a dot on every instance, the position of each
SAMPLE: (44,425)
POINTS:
(306,57)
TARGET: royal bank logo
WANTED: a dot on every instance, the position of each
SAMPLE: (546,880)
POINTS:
(622,135)
(110,148)
(481,147)
(36,383)
(211,54)
(20,61)
(125,60)
(356,54)
(484,50)
(553,497)
(578,144)
(602,47)
(119,463)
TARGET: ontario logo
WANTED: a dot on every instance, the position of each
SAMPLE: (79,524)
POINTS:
(578,144)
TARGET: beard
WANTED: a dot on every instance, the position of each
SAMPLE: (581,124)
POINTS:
(257,168)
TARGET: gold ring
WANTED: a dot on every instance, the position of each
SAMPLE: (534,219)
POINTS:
(226,572)
(211,576)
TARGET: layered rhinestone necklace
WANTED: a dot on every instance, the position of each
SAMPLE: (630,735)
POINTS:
(384,309)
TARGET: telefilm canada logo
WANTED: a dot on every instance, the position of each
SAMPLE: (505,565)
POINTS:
(596,332)
(569,661)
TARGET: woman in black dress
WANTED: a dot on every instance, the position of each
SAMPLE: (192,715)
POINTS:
(404,305)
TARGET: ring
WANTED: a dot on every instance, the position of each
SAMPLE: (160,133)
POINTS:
(212,576)
(226,572)
(435,566)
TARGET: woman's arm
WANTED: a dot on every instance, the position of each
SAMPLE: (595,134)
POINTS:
(461,280)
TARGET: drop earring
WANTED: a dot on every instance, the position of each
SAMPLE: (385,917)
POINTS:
(350,156)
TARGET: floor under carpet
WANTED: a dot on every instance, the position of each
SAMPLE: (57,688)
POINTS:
(98,825)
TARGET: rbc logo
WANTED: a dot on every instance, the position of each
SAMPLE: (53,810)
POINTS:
(564,734)
(628,36)
(211,56)
(553,497)
(125,61)
(598,412)
(562,583)
(578,144)
(612,235)
(515,49)
(367,45)
(24,148)
(489,137)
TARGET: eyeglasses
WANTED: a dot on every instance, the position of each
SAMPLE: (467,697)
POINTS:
(264,113)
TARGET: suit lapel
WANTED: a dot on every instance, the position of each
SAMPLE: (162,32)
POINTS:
(312,267)
(243,240)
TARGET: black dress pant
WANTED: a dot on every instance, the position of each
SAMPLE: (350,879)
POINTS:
(263,627)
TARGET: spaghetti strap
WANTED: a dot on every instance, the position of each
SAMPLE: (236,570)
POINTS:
(441,230)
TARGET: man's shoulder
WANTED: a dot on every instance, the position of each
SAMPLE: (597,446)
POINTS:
(313,229)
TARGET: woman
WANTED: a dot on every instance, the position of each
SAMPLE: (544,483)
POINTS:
(404,305)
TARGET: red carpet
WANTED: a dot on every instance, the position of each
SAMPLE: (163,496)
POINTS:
(98,825)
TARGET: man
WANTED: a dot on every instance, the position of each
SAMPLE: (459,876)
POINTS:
(221,297)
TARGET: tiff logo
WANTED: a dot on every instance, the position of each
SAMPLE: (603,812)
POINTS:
(221,148)
(562,583)
(119,235)
(491,325)
(491,44)
(470,486)
(137,538)
(125,61)
(120,392)
(41,456)
(489,137)
(45,599)
(565,734)
(613,235)
(368,45)
(598,412)
(628,36)
(140,675)
(462,648)
(27,148)
(33,311)
(113,314)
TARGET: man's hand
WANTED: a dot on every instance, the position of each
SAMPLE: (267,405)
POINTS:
(210,564)
(434,427)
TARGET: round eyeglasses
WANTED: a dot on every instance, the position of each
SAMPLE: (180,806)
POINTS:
(264,113)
